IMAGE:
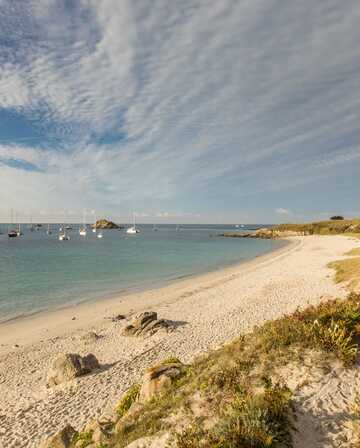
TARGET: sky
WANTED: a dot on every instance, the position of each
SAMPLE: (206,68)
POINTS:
(232,111)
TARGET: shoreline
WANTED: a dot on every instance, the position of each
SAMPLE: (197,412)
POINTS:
(135,288)
(23,325)
(207,311)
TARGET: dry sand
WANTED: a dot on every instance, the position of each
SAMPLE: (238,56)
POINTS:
(209,310)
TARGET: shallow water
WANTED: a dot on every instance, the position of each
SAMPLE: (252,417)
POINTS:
(38,272)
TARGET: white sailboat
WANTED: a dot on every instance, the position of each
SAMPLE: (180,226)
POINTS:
(82,230)
(133,230)
(48,232)
(63,236)
(12,233)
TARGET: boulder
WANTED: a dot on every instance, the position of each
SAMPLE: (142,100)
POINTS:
(100,429)
(157,379)
(69,366)
(62,439)
(100,435)
(146,323)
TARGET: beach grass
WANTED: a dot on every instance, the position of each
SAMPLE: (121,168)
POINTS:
(242,401)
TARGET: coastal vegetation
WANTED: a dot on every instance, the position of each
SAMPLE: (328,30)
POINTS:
(337,218)
(235,396)
(330,227)
(350,227)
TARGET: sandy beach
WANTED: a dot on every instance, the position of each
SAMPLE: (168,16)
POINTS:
(208,311)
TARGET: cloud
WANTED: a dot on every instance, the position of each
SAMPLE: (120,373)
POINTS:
(153,103)
(283,211)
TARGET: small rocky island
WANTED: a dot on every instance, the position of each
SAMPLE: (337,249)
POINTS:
(105,224)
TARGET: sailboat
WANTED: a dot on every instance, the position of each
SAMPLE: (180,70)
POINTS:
(82,230)
(13,233)
(63,236)
(133,230)
(155,229)
(48,232)
(94,229)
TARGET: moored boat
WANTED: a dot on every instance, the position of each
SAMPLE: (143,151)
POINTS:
(133,230)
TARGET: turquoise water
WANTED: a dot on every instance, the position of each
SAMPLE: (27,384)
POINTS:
(38,272)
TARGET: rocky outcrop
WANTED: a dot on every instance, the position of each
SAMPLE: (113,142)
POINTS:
(159,378)
(267,234)
(105,224)
(62,439)
(69,366)
(146,323)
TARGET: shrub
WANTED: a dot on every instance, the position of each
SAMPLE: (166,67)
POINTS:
(257,421)
(337,218)
(336,338)
(128,399)
(83,439)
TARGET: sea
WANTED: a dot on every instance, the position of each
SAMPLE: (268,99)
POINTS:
(38,272)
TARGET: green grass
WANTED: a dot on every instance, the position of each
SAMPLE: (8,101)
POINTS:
(83,439)
(251,420)
(128,399)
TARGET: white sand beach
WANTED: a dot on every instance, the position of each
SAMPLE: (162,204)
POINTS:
(209,310)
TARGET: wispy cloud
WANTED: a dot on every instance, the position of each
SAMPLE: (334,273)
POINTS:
(282,211)
(150,103)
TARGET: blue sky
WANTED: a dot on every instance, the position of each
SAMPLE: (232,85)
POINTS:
(182,111)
